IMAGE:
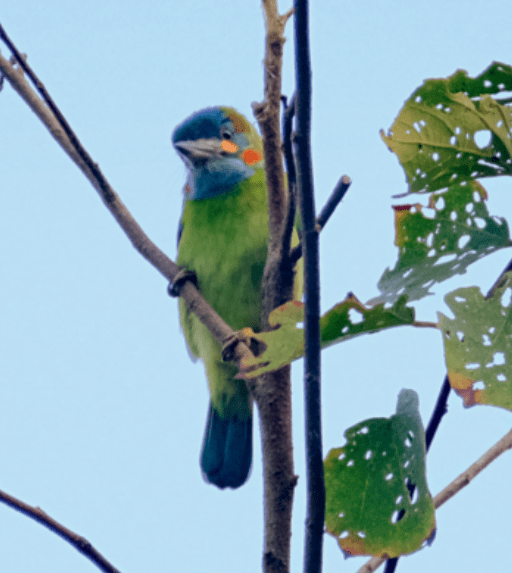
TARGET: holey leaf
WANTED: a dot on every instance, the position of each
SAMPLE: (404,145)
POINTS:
(478,344)
(377,498)
(452,130)
(440,241)
(347,319)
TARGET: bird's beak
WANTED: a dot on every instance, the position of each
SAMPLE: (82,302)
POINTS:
(200,150)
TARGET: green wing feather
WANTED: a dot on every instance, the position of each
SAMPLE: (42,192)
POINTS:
(224,240)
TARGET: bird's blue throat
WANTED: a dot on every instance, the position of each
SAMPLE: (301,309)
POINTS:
(216,177)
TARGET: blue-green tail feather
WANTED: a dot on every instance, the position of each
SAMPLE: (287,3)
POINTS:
(227,450)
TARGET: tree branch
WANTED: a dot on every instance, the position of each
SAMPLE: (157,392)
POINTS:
(291,219)
(497,284)
(267,114)
(289,114)
(459,483)
(273,394)
(278,273)
(313,417)
(79,543)
(325,214)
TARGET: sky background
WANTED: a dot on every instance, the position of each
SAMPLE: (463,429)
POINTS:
(102,412)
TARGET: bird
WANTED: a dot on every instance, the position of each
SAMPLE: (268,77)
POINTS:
(223,239)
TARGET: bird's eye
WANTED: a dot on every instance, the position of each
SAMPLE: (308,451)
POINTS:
(226,134)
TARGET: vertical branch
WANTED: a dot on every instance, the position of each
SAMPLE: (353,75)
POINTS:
(278,273)
(273,392)
(267,114)
(302,141)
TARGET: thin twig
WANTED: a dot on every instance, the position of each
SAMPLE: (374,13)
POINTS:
(315,509)
(459,483)
(107,192)
(78,542)
(497,284)
(289,112)
(440,410)
(335,198)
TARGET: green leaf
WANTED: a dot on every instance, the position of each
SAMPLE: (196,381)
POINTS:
(452,130)
(478,344)
(345,320)
(440,241)
(371,507)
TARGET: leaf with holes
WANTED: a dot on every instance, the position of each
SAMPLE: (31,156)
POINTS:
(440,241)
(377,498)
(478,344)
(347,319)
(452,130)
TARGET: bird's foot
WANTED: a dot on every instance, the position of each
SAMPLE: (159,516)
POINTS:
(180,279)
(246,335)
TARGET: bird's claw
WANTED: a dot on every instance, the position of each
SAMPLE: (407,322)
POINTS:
(247,336)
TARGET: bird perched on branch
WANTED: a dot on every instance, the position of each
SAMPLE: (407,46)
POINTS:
(223,239)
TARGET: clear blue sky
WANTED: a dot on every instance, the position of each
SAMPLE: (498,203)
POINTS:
(101,411)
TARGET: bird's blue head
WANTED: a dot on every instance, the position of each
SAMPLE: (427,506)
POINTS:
(220,148)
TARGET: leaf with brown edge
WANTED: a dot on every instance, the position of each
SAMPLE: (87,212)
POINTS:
(377,498)
(347,319)
(441,240)
(478,344)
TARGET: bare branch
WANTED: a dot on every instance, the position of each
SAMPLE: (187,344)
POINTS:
(499,280)
(288,115)
(440,409)
(312,379)
(78,542)
(267,114)
(325,214)
(273,394)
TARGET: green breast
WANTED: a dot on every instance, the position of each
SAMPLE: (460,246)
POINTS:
(224,240)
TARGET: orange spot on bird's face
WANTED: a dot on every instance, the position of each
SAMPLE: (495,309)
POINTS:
(229,146)
(251,156)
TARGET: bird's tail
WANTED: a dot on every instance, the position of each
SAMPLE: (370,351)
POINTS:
(227,450)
